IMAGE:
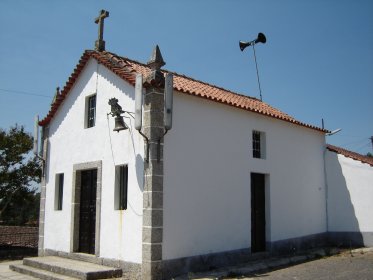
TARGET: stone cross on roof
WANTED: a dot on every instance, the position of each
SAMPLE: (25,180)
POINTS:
(100,43)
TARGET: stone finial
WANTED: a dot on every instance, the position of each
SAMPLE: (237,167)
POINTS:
(155,78)
(156,60)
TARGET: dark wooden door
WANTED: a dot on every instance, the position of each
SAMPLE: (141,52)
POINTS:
(258,240)
(87,222)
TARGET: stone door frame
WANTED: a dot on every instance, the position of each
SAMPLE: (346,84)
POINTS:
(75,204)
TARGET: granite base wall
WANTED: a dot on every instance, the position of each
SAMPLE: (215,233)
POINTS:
(351,239)
(294,245)
(180,266)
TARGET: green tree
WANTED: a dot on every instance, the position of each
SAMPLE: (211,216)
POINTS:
(20,172)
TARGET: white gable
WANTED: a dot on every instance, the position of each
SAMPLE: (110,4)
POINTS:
(70,143)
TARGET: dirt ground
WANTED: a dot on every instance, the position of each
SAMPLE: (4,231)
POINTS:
(356,265)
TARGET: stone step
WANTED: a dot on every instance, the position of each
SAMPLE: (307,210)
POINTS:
(73,268)
(38,273)
(82,257)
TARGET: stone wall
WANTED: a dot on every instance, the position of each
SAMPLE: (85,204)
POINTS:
(17,242)
(19,236)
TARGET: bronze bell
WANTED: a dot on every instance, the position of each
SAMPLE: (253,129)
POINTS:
(119,124)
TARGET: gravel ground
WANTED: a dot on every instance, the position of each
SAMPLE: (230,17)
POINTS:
(356,265)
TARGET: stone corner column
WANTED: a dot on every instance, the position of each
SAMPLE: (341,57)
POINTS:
(152,230)
(41,220)
(41,249)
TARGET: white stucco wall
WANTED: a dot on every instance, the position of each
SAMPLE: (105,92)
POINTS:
(207,165)
(350,194)
(70,143)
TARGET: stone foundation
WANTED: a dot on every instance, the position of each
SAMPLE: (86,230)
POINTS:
(206,262)
(351,239)
(293,245)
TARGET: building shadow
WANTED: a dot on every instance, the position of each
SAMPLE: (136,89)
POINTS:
(343,224)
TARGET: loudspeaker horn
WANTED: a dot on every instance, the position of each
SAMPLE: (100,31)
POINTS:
(260,39)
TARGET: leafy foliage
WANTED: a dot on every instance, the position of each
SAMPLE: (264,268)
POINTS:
(19,174)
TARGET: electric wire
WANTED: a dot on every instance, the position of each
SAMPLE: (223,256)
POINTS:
(11,91)
(356,142)
(362,147)
(112,156)
(343,135)
(111,149)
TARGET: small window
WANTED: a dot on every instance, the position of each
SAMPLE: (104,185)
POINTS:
(59,192)
(121,187)
(258,144)
(90,111)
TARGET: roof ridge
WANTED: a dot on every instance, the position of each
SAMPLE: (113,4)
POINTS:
(229,91)
(187,77)
(196,80)
(126,58)
(215,86)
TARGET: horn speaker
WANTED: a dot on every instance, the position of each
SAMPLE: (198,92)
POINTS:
(261,39)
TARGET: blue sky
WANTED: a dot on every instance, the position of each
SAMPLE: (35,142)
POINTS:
(317,62)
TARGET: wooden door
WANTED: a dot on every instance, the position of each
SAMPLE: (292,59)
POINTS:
(258,240)
(87,222)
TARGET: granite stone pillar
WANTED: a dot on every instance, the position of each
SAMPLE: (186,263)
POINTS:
(153,128)
(44,152)
(41,219)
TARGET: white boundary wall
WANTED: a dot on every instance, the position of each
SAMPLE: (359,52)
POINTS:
(350,196)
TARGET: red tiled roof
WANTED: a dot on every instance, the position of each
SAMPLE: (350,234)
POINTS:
(127,69)
(353,155)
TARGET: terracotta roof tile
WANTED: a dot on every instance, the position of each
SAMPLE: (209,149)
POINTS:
(127,68)
(353,155)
